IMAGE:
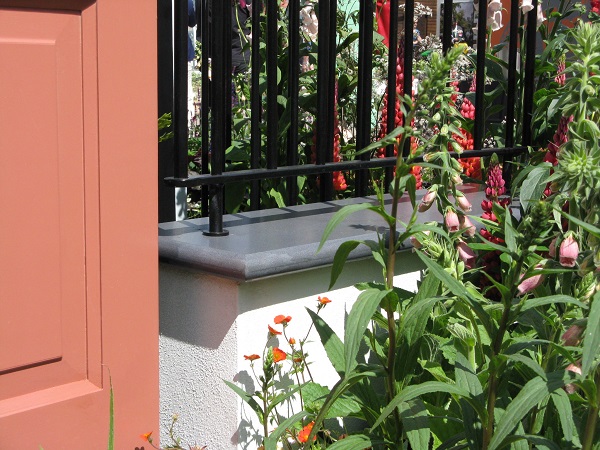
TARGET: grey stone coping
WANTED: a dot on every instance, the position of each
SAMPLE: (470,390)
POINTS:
(277,241)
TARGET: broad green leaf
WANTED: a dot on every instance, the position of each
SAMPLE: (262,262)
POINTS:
(365,306)
(533,186)
(247,398)
(435,369)
(274,193)
(339,260)
(510,234)
(550,300)
(314,396)
(591,339)
(529,362)
(586,226)
(331,343)
(540,443)
(530,395)
(415,391)
(458,289)
(565,414)
(467,379)
(271,440)
(416,317)
(355,442)
(339,217)
(282,396)
(416,423)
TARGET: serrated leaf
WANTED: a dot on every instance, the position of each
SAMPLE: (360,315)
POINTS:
(331,342)
(591,339)
(363,309)
(530,395)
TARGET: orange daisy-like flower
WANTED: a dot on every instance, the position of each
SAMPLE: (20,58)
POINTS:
(278,355)
(323,300)
(251,357)
(305,432)
(147,436)
(281,319)
(273,331)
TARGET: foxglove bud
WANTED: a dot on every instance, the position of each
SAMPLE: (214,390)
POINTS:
(569,251)
(552,248)
(427,200)
(452,220)
(572,336)
(466,254)
(463,203)
(467,226)
(529,284)
(456,179)
(575,368)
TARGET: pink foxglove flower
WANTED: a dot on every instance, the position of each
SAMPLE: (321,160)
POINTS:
(573,335)
(494,11)
(463,203)
(427,200)
(540,15)
(452,221)
(466,254)
(575,368)
(467,226)
(529,284)
(569,251)
(526,6)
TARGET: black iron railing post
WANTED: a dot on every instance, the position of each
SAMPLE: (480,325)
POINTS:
(409,24)
(391,84)
(480,126)
(529,80)
(293,90)
(255,102)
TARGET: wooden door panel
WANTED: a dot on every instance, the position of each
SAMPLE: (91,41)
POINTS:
(42,278)
(78,259)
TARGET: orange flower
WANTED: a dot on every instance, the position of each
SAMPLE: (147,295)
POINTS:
(323,300)
(292,341)
(147,436)
(305,432)
(273,331)
(251,357)
(281,319)
(278,354)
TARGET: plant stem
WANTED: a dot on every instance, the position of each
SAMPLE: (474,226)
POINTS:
(590,426)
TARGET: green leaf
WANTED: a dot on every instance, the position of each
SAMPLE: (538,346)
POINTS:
(416,317)
(274,193)
(271,440)
(415,391)
(331,343)
(591,339)
(314,396)
(540,443)
(416,423)
(550,300)
(355,442)
(565,414)
(533,186)
(249,399)
(282,396)
(111,416)
(530,395)
(467,379)
(365,306)
(339,260)
(339,217)
(586,226)
(510,234)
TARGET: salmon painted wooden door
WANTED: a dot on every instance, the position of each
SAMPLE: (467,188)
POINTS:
(78,246)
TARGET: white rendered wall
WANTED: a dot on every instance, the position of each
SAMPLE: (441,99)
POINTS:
(208,324)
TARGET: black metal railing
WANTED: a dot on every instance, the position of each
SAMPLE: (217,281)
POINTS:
(214,20)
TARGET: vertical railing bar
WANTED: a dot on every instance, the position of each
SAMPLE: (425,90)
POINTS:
(447,26)
(180,131)
(365,89)
(327,179)
(479,126)
(323,105)
(206,101)
(221,84)
(528,82)
(391,84)
(293,92)
(409,21)
(255,102)
(272,113)
(511,88)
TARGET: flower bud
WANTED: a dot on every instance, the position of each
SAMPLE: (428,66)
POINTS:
(467,226)
(575,368)
(572,336)
(466,254)
(552,248)
(569,251)
(463,203)
(427,200)
(529,284)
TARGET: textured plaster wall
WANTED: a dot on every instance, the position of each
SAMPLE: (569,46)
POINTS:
(209,323)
